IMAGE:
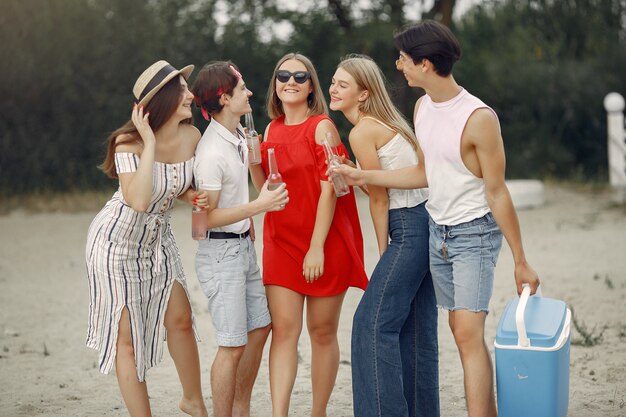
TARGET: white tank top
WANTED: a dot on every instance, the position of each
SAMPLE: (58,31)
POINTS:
(396,154)
(456,195)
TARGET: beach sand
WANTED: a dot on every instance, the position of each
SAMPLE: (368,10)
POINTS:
(576,242)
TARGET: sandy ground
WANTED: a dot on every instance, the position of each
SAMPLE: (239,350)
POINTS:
(577,242)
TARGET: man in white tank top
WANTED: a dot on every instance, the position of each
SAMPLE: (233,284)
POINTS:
(462,162)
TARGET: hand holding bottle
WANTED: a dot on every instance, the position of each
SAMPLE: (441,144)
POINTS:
(200,198)
(273,200)
(252,138)
(199,218)
(274,179)
(333,160)
(351,175)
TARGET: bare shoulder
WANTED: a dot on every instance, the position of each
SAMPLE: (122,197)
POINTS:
(323,127)
(266,132)
(483,117)
(128,142)
(190,133)
(482,126)
(368,131)
(189,137)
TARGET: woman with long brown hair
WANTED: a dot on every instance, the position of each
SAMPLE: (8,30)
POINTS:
(137,285)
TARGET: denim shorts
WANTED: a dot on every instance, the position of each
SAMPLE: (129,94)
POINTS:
(230,278)
(462,262)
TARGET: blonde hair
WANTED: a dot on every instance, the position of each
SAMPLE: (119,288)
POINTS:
(315,100)
(378,104)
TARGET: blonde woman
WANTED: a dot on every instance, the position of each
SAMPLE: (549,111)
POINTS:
(394,332)
(312,250)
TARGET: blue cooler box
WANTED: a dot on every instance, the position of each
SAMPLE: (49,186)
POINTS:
(532,357)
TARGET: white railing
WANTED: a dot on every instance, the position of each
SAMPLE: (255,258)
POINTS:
(614,105)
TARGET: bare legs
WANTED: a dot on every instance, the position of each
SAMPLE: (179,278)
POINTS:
(468,330)
(223,377)
(135,393)
(323,313)
(247,371)
(233,374)
(181,343)
(184,352)
(322,322)
(286,307)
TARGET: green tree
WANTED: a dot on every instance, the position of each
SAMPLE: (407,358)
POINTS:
(545,67)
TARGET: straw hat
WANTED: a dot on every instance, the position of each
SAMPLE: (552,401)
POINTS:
(154,78)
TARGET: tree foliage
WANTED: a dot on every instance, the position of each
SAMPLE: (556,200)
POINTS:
(68,67)
(545,66)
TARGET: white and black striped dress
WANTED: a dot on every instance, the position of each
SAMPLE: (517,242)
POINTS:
(132,262)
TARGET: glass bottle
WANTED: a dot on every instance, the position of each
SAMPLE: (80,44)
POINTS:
(274,179)
(198,219)
(339,184)
(252,139)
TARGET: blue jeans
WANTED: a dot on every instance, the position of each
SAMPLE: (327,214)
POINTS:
(395,365)
(462,261)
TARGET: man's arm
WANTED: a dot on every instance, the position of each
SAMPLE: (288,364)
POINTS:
(405,178)
(483,132)
(266,201)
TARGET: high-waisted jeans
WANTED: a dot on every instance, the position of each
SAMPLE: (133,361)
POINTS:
(394,332)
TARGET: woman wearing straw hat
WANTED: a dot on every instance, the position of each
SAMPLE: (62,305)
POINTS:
(136,282)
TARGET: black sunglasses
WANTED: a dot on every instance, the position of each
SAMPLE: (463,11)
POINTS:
(299,76)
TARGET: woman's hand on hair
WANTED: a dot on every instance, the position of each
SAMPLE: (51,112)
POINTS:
(140,120)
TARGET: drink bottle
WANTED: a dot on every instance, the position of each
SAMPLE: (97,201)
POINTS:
(274,179)
(198,219)
(339,184)
(252,139)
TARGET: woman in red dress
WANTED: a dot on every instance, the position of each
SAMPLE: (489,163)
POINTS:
(312,250)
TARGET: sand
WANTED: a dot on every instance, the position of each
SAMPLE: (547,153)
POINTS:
(576,241)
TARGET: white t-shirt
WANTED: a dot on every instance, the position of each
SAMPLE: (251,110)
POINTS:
(221,164)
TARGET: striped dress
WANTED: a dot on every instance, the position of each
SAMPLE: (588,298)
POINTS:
(132,262)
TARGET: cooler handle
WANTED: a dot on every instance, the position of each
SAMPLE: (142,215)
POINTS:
(522,337)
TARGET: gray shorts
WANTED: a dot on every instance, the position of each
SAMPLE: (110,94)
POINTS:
(462,262)
(230,278)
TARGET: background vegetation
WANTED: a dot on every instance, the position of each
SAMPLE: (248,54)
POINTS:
(68,66)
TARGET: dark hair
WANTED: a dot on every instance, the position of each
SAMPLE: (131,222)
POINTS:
(161,107)
(432,41)
(213,80)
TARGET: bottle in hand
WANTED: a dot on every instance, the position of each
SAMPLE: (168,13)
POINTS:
(339,184)
(274,179)
(252,139)
(198,219)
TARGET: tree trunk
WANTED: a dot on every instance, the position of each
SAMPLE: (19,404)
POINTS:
(342,14)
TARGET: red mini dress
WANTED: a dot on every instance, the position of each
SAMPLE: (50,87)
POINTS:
(287,233)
